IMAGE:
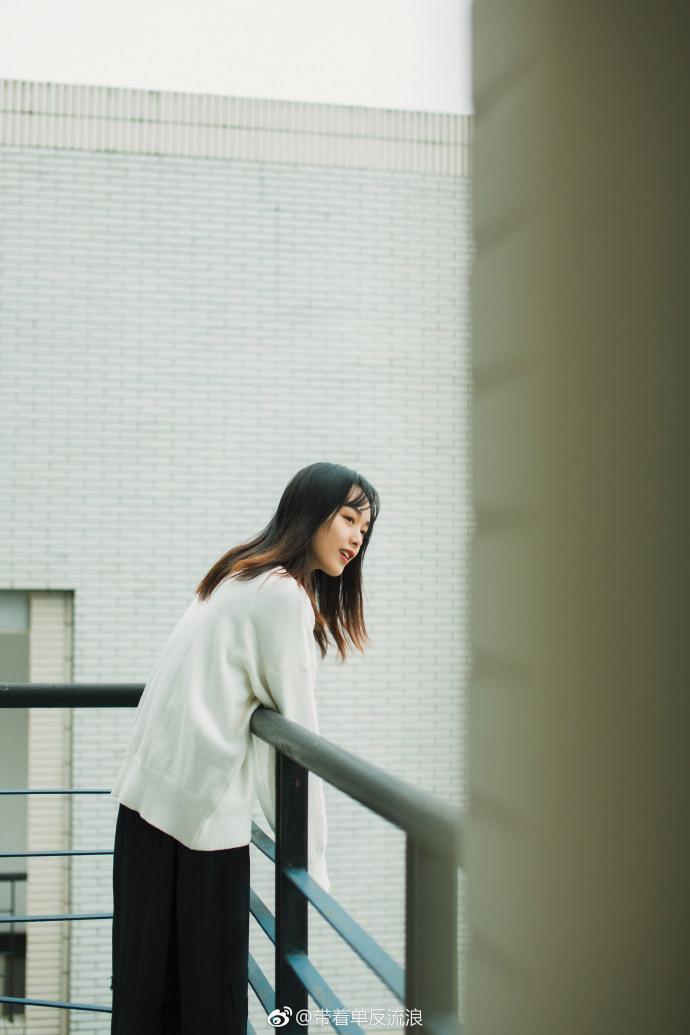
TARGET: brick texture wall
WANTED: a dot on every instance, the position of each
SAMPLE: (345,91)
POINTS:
(183,332)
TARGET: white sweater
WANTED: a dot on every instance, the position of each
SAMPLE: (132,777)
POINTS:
(192,765)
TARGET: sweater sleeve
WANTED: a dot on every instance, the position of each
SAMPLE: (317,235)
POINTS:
(291,690)
(284,628)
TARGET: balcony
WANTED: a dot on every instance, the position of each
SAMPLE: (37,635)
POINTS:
(427,986)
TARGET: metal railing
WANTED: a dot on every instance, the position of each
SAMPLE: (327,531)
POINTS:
(428,984)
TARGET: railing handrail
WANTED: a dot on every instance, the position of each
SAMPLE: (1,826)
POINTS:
(424,816)
(420,814)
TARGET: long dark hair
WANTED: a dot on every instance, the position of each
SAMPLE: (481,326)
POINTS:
(313,496)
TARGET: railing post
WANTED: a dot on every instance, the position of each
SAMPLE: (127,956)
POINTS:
(292,803)
(431,944)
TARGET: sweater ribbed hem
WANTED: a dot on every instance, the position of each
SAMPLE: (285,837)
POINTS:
(193,822)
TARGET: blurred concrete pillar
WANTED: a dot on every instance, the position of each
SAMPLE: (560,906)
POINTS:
(577,848)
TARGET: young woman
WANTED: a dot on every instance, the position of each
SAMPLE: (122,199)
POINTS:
(187,783)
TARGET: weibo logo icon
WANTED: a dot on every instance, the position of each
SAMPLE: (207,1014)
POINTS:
(279,1018)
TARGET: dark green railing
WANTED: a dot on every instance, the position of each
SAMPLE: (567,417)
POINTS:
(428,985)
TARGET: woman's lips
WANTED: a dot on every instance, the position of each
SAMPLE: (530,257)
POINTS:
(346,557)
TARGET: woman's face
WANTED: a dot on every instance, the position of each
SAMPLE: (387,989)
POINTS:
(344,531)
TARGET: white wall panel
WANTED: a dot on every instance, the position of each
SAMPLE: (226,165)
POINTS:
(101,118)
(49,816)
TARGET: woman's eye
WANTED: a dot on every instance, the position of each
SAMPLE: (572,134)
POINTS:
(349,517)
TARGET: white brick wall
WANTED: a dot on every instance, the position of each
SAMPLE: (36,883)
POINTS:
(182,333)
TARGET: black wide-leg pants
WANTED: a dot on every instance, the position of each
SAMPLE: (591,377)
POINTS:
(180,934)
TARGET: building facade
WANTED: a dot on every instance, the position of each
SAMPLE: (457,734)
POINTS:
(199,296)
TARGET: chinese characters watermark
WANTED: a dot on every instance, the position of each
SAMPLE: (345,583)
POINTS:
(341,1018)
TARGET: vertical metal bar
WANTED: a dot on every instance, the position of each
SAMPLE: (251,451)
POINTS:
(292,803)
(13,946)
(431,943)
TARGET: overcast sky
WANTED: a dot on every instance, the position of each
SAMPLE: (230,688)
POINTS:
(412,54)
